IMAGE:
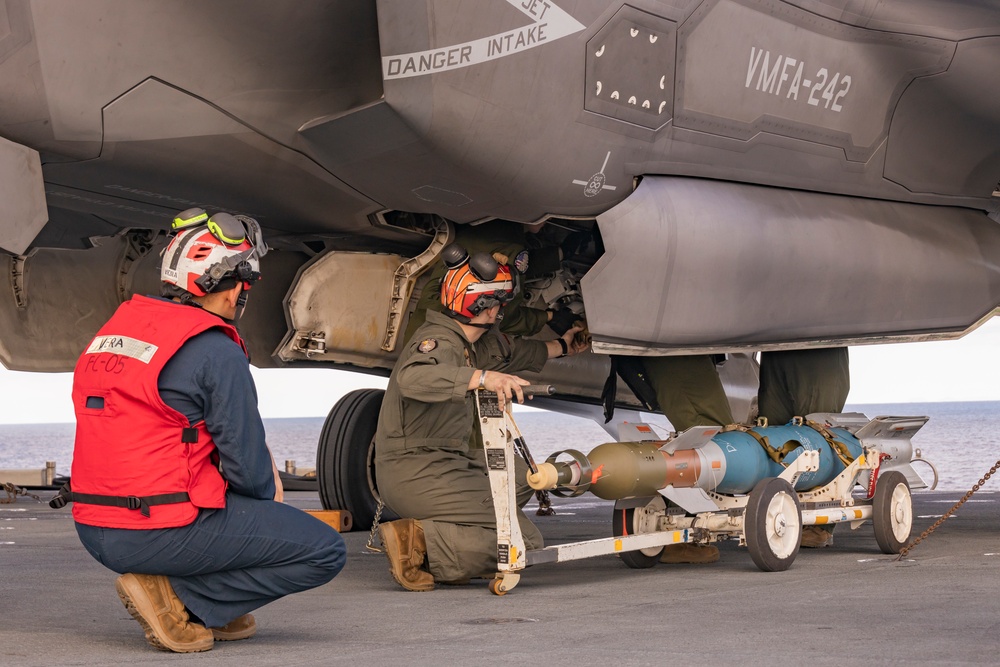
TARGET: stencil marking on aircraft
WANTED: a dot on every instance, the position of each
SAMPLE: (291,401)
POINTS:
(596,182)
(549,23)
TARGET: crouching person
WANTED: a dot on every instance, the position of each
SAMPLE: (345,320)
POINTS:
(429,456)
(172,483)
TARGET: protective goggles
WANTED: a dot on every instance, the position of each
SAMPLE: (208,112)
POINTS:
(232,230)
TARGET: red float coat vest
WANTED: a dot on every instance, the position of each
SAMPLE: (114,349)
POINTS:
(129,443)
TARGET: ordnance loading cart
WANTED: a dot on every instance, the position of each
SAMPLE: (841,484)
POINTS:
(757,484)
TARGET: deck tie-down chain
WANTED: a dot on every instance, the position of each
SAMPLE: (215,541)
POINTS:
(975,487)
(544,503)
(371,536)
(13,492)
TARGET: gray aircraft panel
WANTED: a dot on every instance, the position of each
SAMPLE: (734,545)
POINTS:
(952,19)
(723,266)
(516,127)
(956,113)
(827,83)
(275,65)
(371,145)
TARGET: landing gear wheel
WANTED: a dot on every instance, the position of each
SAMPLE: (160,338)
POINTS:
(636,521)
(892,512)
(345,456)
(773,524)
(497,588)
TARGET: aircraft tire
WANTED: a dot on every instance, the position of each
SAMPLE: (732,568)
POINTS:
(892,512)
(634,521)
(345,468)
(773,524)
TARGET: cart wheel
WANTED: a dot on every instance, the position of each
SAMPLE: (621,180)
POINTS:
(892,512)
(496,587)
(773,524)
(636,521)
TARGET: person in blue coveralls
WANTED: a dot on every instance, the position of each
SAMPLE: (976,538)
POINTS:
(172,483)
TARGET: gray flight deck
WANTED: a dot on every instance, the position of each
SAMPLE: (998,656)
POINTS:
(844,605)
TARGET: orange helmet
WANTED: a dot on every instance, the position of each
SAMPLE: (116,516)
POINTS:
(475,284)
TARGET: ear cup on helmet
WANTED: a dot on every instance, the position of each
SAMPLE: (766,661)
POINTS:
(227,228)
(484,266)
(189,218)
(205,257)
(454,255)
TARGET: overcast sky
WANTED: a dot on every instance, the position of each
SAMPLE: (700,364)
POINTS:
(967,369)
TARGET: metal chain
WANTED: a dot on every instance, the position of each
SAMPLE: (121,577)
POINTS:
(975,487)
(371,536)
(13,492)
(521,446)
(544,503)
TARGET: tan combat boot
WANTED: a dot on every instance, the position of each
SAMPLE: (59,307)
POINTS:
(403,542)
(152,602)
(243,627)
(698,554)
(814,537)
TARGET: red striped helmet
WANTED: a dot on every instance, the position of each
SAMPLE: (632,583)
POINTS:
(476,285)
(207,253)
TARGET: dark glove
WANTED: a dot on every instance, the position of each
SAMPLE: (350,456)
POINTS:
(563,320)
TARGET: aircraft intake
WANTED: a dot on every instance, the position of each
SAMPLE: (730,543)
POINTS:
(729,462)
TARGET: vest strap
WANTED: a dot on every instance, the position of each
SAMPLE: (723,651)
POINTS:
(142,503)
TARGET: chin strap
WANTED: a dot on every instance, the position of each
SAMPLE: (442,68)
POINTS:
(498,320)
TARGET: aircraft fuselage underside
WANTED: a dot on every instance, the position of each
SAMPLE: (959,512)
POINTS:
(760,173)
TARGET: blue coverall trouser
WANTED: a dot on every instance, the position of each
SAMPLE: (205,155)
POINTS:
(229,561)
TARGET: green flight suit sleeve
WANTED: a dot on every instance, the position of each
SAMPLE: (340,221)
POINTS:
(498,352)
(520,320)
(435,376)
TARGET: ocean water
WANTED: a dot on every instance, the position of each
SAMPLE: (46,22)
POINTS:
(962,440)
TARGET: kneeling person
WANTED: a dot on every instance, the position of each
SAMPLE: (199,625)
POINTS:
(429,455)
(172,483)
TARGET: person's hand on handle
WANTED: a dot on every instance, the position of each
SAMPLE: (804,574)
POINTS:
(506,386)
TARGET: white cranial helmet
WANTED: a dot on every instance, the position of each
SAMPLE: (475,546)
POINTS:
(211,254)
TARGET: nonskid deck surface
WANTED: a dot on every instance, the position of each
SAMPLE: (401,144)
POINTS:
(845,604)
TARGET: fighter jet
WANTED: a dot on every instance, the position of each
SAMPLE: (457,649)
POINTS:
(723,175)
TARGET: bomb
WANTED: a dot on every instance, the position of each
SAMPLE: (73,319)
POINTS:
(730,461)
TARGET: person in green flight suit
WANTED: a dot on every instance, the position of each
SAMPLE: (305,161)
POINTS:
(429,455)
(507,243)
(690,393)
(795,383)
(792,383)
